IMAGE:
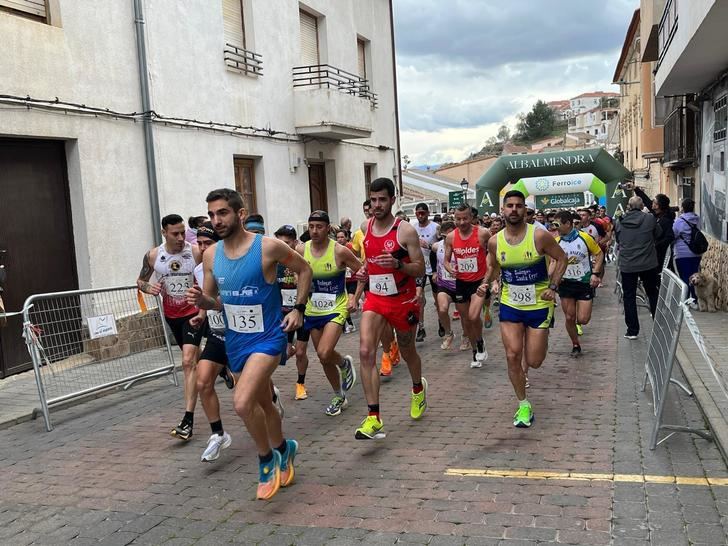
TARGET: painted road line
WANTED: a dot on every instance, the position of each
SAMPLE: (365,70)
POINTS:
(584,476)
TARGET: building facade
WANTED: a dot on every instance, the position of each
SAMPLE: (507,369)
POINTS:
(594,117)
(111,107)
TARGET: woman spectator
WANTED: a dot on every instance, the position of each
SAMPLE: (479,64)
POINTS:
(686,261)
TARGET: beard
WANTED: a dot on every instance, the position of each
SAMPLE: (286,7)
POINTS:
(515,219)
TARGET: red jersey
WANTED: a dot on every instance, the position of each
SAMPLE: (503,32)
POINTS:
(470,264)
(387,282)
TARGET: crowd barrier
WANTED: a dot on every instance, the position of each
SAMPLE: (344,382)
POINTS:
(85,341)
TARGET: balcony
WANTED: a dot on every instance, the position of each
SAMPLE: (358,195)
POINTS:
(666,29)
(242,60)
(680,148)
(332,103)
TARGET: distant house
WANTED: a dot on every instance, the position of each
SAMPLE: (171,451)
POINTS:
(426,186)
(471,169)
(562,109)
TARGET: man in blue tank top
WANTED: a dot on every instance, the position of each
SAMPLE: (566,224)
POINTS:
(240,280)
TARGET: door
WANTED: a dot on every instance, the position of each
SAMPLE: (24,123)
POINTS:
(317,186)
(245,183)
(35,233)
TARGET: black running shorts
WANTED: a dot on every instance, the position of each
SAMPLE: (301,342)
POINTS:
(183,332)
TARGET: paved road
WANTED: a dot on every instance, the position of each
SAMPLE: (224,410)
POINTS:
(110,473)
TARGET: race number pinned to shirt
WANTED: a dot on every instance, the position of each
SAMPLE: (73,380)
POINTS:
(322,301)
(216,321)
(288,296)
(574,271)
(467,265)
(382,285)
(245,319)
(522,294)
(446,275)
(178,285)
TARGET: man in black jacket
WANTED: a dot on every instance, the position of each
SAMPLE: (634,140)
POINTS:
(660,207)
(636,234)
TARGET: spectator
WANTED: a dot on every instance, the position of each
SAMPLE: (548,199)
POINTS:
(255,224)
(345,224)
(660,207)
(636,234)
(193,222)
(686,261)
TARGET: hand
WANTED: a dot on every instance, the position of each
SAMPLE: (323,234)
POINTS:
(449,268)
(194,296)
(495,288)
(197,320)
(386,260)
(482,289)
(152,288)
(351,304)
(292,321)
(424,243)
(548,295)
(361,275)
(594,281)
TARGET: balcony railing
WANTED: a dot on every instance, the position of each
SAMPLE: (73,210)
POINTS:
(243,60)
(680,138)
(330,77)
(666,30)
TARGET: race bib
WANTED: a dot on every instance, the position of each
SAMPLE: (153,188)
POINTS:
(446,275)
(522,294)
(349,274)
(323,302)
(216,321)
(574,271)
(288,295)
(382,285)
(467,265)
(178,285)
(245,319)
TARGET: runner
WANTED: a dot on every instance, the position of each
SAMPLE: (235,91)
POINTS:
(468,244)
(173,262)
(576,290)
(393,261)
(342,237)
(527,294)
(329,305)
(445,287)
(427,231)
(288,283)
(242,270)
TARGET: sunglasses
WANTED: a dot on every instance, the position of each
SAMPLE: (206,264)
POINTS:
(556,225)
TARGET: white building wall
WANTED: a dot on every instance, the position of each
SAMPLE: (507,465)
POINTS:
(91,59)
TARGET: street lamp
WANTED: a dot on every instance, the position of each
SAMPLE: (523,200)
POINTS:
(464,185)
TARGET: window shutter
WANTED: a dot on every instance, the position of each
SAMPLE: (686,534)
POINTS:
(31,7)
(362,58)
(232,17)
(309,40)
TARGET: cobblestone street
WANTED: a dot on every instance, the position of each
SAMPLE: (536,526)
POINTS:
(110,472)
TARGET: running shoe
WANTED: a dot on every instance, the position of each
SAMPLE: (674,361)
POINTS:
(475,362)
(301,393)
(630,336)
(277,402)
(370,429)
(418,405)
(349,328)
(183,431)
(576,351)
(447,341)
(215,445)
(421,334)
(440,329)
(347,373)
(385,371)
(269,479)
(465,344)
(394,353)
(523,417)
(287,471)
(456,315)
(228,377)
(487,319)
(338,403)
(481,353)
(579,330)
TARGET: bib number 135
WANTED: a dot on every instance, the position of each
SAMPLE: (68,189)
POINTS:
(245,319)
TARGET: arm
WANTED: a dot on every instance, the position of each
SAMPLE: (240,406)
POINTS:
(595,251)
(146,273)
(282,253)
(346,258)
(546,244)
(646,200)
(448,254)
(492,278)
(196,254)
(411,241)
(206,297)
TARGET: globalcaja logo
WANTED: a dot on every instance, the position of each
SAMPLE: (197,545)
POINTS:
(542,184)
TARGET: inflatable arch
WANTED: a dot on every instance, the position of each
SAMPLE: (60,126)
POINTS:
(567,172)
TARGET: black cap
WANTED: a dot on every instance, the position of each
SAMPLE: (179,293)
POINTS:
(206,230)
(286,230)
(422,206)
(319,216)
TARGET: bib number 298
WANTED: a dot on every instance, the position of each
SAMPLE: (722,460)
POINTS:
(245,319)
(523,294)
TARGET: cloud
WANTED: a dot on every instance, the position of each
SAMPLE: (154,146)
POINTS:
(465,65)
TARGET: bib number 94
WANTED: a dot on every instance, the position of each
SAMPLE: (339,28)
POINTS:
(382,285)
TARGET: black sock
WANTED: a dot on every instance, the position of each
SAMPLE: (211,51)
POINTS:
(373,408)
(282,448)
(301,378)
(266,458)
(217,427)
(480,345)
(189,417)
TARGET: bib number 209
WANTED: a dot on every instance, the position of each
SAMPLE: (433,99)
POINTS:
(245,319)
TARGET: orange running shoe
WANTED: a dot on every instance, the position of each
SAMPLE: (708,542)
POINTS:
(270,477)
(301,393)
(394,353)
(385,372)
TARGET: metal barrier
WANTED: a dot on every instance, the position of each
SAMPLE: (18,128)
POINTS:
(661,353)
(85,341)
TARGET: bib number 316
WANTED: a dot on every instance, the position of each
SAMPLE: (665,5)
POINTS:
(245,319)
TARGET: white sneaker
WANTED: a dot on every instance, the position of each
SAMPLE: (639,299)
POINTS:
(215,445)
(279,403)
(482,356)
(476,364)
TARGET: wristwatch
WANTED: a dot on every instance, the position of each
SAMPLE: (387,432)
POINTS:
(553,287)
(300,307)
(398,265)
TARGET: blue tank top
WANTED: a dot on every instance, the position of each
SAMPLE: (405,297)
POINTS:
(251,305)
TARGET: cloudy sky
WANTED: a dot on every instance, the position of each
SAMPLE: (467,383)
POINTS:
(464,66)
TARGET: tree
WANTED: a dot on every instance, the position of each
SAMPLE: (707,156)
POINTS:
(538,123)
(504,133)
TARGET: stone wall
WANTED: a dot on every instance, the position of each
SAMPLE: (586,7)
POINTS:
(715,262)
(136,333)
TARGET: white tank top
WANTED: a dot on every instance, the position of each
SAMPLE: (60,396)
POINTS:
(429,234)
(175,272)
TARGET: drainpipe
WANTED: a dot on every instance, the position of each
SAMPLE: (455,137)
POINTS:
(147,121)
(398,153)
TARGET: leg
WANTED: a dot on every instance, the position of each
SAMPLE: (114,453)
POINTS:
(651,282)
(536,346)
(584,311)
(443,311)
(629,295)
(301,357)
(474,311)
(464,310)
(207,372)
(372,328)
(513,336)
(569,306)
(325,340)
(406,340)
(190,354)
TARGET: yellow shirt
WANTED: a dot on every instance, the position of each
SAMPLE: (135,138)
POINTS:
(357,245)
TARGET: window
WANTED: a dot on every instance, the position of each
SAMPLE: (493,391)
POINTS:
(361,47)
(245,183)
(233,24)
(720,108)
(367,179)
(309,39)
(707,163)
(32,9)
